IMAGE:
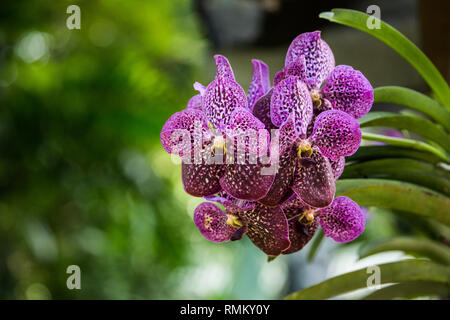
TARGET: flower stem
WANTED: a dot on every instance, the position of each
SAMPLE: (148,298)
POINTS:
(409,143)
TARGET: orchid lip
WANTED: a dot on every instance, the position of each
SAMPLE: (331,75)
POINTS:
(234,221)
(304,149)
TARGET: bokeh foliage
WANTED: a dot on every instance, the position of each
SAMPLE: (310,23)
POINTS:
(80,115)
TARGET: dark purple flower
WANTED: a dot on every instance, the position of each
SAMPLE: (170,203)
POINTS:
(343,220)
(343,88)
(260,83)
(266,227)
(213,131)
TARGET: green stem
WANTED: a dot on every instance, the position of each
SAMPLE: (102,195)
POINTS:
(419,145)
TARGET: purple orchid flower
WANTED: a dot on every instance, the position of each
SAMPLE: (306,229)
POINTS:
(266,227)
(218,117)
(313,106)
(331,87)
(305,166)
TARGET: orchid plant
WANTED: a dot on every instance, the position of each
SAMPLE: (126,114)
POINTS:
(268,162)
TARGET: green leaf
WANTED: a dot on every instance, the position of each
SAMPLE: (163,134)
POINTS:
(366,153)
(396,195)
(425,128)
(315,244)
(409,170)
(410,290)
(417,246)
(407,270)
(410,143)
(414,100)
(399,43)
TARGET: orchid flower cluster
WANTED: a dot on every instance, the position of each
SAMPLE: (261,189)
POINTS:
(267,162)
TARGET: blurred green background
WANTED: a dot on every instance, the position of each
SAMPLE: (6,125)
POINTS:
(83,178)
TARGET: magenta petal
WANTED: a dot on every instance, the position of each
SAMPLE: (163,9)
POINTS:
(195,102)
(281,187)
(260,83)
(336,133)
(212,222)
(200,88)
(314,180)
(291,96)
(184,124)
(343,220)
(261,110)
(201,179)
(223,67)
(349,91)
(318,56)
(300,235)
(338,167)
(221,98)
(267,229)
(246,181)
(295,68)
(242,120)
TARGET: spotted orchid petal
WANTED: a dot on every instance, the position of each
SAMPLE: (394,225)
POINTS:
(181,128)
(291,95)
(348,90)
(294,68)
(343,220)
(300,234)
(261,110)
(314,180)
(336,133)
(200,88)
(246,181)
(221,98)
(318,57)
(281,187)
(338,167)
(260,83)
(242,120)
(195,102)
(267,227)
(201,179)
(211,221)
(223,67)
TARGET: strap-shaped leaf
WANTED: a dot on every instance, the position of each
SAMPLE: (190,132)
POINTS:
(408,170)
(393,38)
(414,100)
(407,270)
(417,246)
(410,290)
(396,195)
(409,143)
(366,153)
(425,128)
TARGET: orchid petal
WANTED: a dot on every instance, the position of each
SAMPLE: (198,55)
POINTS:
(314,181)
(300,235)
(260,83)
(223,67)
(201,179)
(267,229)
(211,221)
(291,95)
(318,57)
(336,133)
(343,220)
(221,98)
(338,167)
(195,103)
(349,91)
(261,110)
(186,122)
